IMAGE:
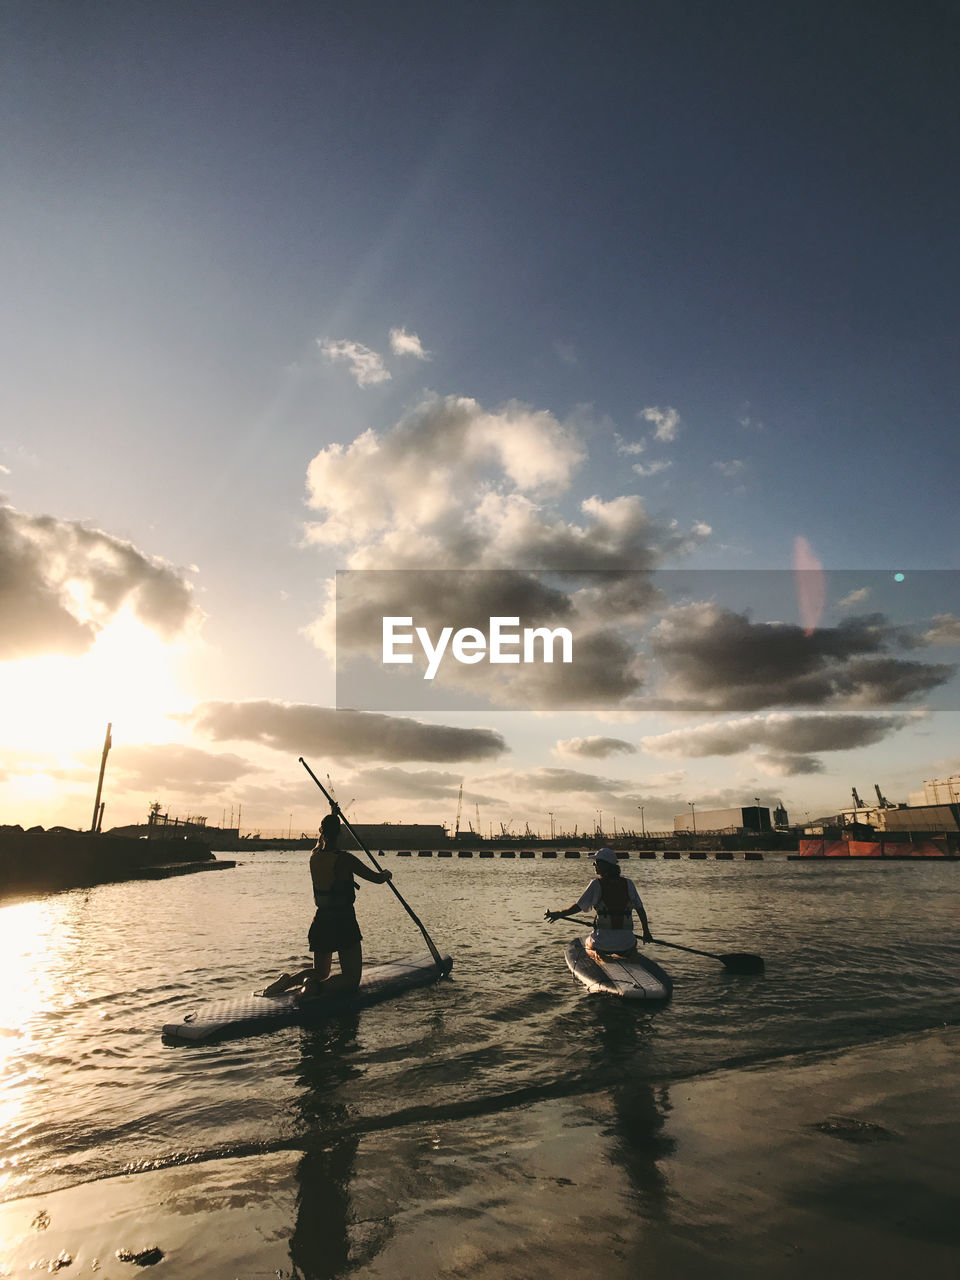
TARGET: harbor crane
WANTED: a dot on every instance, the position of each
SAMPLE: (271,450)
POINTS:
(883,801)
(858,803)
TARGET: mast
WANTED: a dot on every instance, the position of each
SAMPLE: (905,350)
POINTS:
(97,809)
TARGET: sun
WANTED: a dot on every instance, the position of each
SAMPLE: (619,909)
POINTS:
(53,706)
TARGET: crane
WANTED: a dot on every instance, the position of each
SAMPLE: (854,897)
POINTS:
(884,802)
(858,803)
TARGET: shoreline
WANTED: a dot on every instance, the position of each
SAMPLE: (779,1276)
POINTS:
(830,1159)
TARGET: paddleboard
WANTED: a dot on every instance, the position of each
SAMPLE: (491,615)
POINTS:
(248,1015)
(636,978)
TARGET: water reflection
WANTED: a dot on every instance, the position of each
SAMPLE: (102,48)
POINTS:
(320,1243)
(640,1107)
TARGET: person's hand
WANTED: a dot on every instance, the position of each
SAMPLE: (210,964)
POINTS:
(647,936)
(552,915)
(387,875)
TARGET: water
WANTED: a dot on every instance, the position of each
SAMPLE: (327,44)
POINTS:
(854,952)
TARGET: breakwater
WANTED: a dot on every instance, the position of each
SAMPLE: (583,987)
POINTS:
(37,860)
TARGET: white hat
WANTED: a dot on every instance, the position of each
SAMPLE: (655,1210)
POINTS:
(605,855)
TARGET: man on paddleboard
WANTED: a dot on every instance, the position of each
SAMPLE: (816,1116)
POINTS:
(614,898)
(334,926)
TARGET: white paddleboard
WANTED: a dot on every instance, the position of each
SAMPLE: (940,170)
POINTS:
(248,1015)
(635,978)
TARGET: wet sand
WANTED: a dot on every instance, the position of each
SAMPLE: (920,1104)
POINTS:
(840,1163)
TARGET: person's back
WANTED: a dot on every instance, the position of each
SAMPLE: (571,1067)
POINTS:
(613,898)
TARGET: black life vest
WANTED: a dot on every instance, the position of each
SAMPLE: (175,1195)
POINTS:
(613,909)
(333,883)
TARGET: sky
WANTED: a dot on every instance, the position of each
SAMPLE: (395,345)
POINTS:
(638,319)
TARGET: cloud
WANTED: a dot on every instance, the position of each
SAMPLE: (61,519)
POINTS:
(716,660)
(730,469)
(566,352)
(629,447)
(62,582)
(561,781)
(170,767)
(366,366)
(407,344)
(945,630)
(665,422)
(420,784)
(396,501)
(301,729)
(652,468)
(854,598)
(781,732)
(595,747)
(788,766)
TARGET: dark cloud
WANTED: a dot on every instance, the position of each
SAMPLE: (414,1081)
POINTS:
(605,668)
(793,734)
(61,583)
(790,766)
(718,660)
(595,747)
(301,729)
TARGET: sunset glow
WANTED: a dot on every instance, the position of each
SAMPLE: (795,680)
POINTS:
(55,706)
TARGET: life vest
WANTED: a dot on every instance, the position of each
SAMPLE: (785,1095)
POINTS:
(333,883)
(613,909)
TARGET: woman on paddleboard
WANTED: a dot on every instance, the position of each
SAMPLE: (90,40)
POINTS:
(334,926)
(614,898)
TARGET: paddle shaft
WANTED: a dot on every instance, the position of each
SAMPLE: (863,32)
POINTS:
(731,960)
(335,808)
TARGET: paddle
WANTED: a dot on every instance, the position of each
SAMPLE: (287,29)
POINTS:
(335,808)
(732,961)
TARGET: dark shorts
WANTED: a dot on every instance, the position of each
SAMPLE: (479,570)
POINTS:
(334,931)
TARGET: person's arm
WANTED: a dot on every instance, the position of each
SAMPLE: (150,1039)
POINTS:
(566,911)
(363,871)
(646,935)
(586,902)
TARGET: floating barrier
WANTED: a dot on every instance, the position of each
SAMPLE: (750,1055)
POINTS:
(696,855)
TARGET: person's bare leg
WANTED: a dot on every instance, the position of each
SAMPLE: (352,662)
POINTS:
(315,979)
(286,982)
(351,967)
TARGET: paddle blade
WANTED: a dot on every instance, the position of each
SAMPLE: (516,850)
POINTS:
(742,962)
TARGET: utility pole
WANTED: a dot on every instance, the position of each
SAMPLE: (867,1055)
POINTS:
(97,808)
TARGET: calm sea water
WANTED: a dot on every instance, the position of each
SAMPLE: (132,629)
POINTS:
(854,953)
